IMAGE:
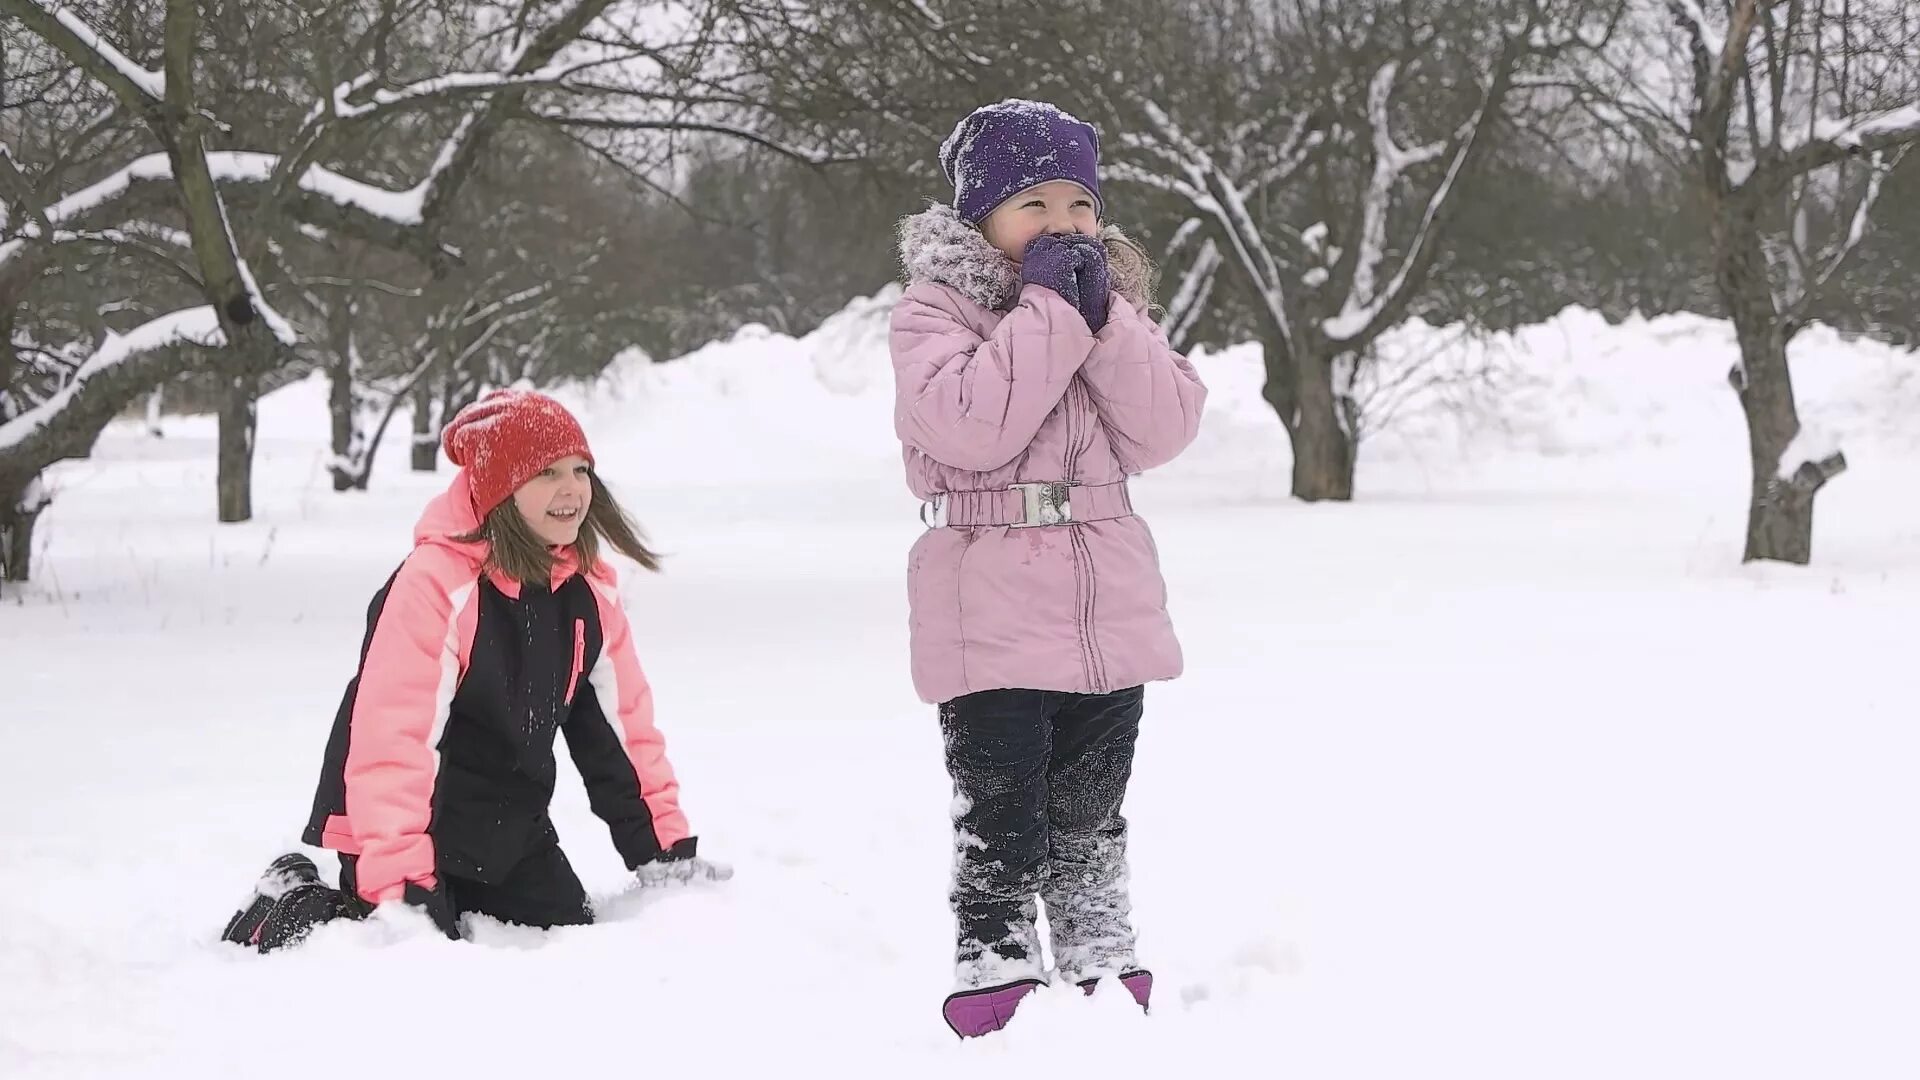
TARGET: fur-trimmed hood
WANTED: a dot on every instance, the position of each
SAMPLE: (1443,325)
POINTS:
(936,246)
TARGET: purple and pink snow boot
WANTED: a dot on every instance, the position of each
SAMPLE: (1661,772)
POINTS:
(971,1013)
(1138,983)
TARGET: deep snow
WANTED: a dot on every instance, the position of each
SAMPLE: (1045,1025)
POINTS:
(1507,769)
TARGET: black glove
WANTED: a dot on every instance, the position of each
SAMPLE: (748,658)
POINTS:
(680,865)
(437,904)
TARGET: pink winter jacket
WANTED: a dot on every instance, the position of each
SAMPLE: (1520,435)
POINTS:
(996,384)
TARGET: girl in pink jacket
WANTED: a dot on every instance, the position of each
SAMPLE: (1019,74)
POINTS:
(1030,384)
(500,631)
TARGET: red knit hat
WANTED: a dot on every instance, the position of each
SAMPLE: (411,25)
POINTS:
(506,438)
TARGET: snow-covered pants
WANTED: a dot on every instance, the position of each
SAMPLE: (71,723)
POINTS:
(1038,780)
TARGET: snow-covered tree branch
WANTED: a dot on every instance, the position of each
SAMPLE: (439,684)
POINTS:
(139,88)
(1366,309)
(1331,226)
(1794,116)
(251,171)
(1841,138)
(68,421)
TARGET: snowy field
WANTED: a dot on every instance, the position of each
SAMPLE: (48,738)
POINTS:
(1508,769)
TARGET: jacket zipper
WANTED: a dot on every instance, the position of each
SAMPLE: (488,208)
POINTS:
(1092,663)
(579,657)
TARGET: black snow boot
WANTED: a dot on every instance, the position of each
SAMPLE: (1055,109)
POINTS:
(290,881)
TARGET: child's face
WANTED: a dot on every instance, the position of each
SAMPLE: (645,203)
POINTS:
(555,502)
(1057,206)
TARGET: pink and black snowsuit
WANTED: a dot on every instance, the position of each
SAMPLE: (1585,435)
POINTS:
(441,759)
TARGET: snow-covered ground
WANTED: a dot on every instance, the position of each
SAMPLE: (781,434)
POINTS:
(1507,769)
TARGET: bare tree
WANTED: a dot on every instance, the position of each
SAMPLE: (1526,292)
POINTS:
(238,208)
(1312,152)
(1327,192)
(1788,117)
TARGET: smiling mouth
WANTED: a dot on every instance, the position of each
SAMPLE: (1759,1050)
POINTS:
(564,515)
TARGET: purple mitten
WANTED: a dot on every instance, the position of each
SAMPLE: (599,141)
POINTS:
(1094,281)
(1053,262)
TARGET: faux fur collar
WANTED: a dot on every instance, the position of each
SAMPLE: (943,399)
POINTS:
(935,245)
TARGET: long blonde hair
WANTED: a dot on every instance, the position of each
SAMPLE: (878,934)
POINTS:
(1130,266)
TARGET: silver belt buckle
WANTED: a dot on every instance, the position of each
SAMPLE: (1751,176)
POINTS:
(1046,503)
(933,512)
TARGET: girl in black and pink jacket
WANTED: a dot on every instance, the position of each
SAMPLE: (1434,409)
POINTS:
(501,630)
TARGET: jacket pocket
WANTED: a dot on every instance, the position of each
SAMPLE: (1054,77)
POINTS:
(579,657)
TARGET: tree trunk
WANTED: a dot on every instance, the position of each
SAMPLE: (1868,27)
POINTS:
(19,510)
(17,533)
(340,407)
(1323,449)
(1780,508)
(1300,388)
(238,417)
(426,438)
(156,403)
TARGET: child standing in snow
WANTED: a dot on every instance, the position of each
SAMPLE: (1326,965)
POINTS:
(1030,384)
(501,629)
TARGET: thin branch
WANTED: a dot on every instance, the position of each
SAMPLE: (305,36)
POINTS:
(333,281)
(604,123)
(1127,172)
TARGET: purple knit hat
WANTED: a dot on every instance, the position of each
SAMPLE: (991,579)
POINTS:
(1003,149)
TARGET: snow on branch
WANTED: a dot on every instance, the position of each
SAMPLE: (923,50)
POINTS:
(1178,147)
(1196,287)
(932,18)
(1702,32)
(282,329)
(1813,453)
(1390,162)
(533,292)
(413,202)
(444,86)
(1182,236)
(1301,140)
(1856,133)
(1129,173)
(1149,145)
(1835,257)
(1228,206)
(1365,304)
(193,326)
(151,83)
(1836,139)
(243,167)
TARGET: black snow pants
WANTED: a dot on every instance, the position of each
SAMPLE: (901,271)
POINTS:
(1038,780)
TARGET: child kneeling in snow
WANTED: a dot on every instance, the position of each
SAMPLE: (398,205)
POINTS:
(1030,384)
(502,628)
